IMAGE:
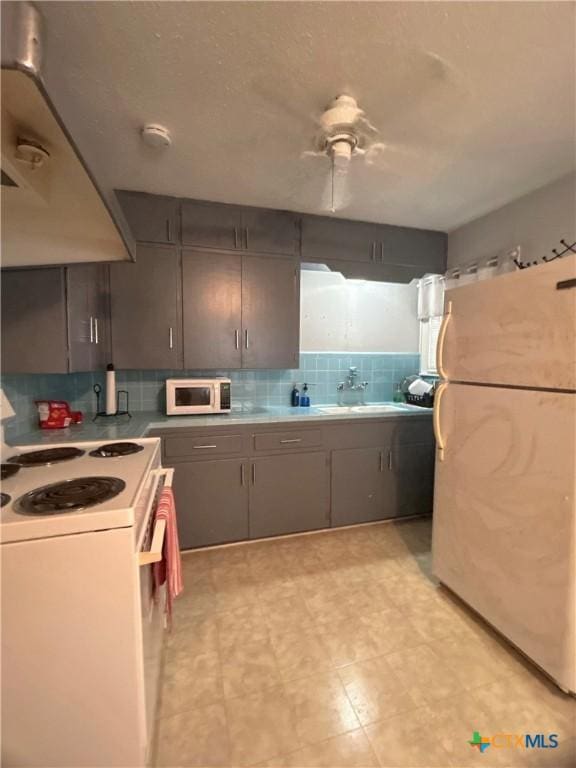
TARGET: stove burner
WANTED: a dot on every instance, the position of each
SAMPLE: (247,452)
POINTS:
(70,495)
(116,449)
(4,499)
(9,470)
(47,456)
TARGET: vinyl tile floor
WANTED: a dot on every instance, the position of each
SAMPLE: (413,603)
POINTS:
(338,649)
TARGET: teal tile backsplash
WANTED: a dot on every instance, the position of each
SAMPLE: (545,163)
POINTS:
(270,387)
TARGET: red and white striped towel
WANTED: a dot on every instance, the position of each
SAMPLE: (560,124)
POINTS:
(169,569)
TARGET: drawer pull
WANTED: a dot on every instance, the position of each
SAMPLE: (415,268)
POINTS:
(196,447)
(292,440)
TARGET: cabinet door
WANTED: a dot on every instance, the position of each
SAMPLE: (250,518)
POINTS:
(289,493)
(406,246)
(267,231)
(211,308)
(411,487)
(360,486)
(152,218)
(211,502)
(211,225)
(338,239)
(88,317)
(34,335)
(270,312)
(145,308)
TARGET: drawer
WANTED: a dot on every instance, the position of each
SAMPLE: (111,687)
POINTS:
(275,441)
(411,430)
(201,445)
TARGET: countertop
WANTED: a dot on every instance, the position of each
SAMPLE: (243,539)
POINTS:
(141,423)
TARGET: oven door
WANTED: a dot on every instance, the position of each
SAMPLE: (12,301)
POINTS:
(183,397)
(152,603)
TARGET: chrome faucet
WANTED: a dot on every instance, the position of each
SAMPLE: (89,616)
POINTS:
(352,385)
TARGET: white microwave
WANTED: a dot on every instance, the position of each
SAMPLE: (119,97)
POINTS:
(185,396)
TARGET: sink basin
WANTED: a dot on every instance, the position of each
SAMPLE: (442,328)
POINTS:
(376,408)
(331,410)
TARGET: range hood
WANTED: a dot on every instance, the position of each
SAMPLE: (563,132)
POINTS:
(52,209)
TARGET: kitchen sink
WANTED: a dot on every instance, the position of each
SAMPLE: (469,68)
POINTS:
(331,410)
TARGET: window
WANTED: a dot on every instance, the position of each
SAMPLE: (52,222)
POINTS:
(429,330)
(430,308)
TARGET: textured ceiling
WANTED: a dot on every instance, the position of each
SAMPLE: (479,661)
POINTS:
(479,99)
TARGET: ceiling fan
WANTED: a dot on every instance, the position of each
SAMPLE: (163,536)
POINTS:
(346,136)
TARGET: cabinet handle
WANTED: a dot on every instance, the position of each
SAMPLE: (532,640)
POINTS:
(235,237)
(96,339)
(246,339)
(390,459)
(381,253)
(171,338)
(253,474)
(246,237)
(237,338)
(381,461)
(204,446)
(373,251)
(91,329)
(168,231)
(242,477)
(292,440)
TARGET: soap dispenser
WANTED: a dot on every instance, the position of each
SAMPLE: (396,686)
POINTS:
(305,397)
(295,396)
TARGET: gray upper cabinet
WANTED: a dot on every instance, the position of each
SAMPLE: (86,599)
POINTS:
(270,312)
(88,316)
(267,231)
(211,225)
(373,251)
(327,239)
(34,321)
(212,502)
(413,247)
(212,309)
(146,310)
(152,218)
(55,320)
(289,493)
(232,227)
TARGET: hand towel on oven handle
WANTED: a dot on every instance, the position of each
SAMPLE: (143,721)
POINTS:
(169,569)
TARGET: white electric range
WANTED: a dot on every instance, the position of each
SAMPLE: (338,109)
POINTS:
(82,629)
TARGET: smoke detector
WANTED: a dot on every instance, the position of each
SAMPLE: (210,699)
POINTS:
(156,136)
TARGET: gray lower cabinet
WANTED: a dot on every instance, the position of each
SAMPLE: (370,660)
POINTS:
(212,502)
(361,486)
(55,320)
(146,310)
(411,490)
(289,493)
(270,312)
(212,309)
(151,218)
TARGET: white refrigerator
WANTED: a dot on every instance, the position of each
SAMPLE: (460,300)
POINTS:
(504,530)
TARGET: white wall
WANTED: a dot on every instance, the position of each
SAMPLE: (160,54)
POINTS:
(535,221)
(339,315)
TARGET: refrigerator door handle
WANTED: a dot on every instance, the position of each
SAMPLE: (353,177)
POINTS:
(437,423)
(441,338)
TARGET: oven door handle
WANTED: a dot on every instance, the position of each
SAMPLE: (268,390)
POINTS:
(154,554)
